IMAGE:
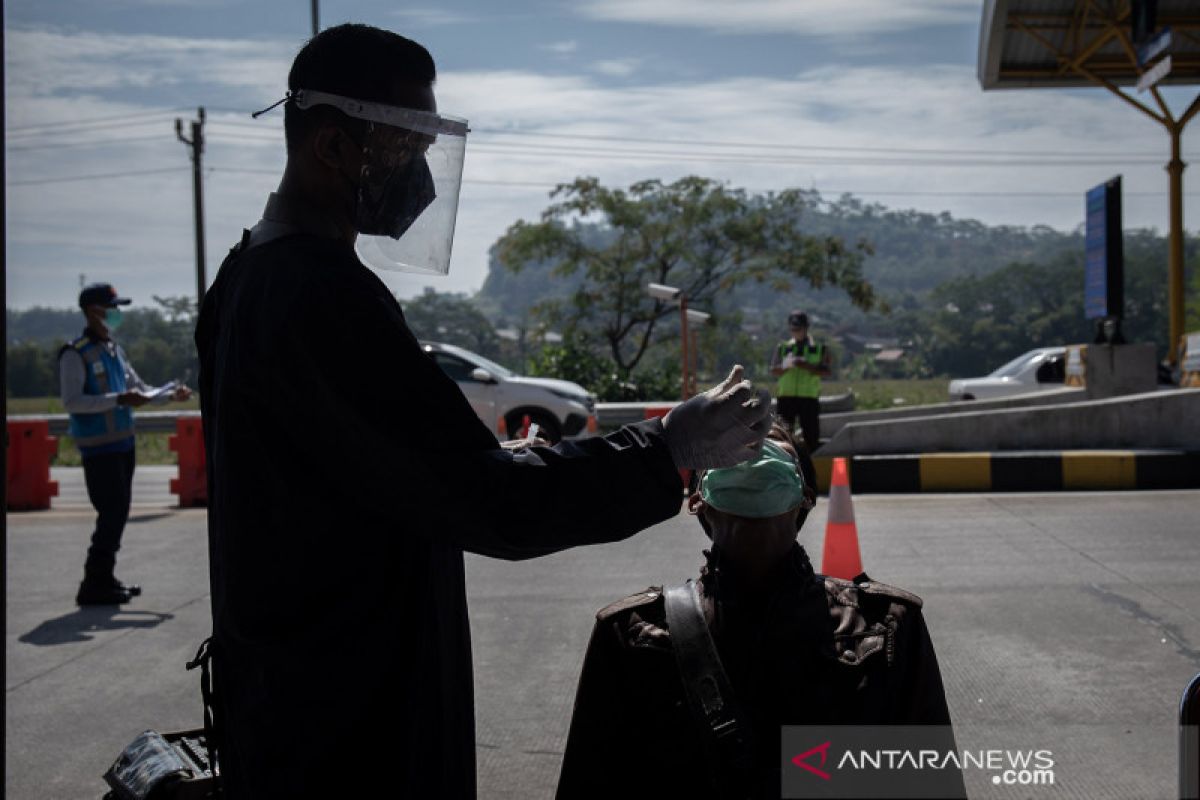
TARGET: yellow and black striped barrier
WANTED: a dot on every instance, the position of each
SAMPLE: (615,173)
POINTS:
(1070,470)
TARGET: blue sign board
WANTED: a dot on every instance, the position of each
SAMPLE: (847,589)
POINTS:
(1104,280)
(1095,296)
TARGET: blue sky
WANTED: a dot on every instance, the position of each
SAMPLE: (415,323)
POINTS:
(873,97)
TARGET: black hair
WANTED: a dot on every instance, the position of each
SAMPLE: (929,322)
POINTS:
(351,60)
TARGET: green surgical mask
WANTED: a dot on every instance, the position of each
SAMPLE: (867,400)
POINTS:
(764,487)
(112,318)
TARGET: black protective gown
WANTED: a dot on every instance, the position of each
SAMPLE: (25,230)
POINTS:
(347,474)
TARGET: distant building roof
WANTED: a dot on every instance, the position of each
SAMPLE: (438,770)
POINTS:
(889,355)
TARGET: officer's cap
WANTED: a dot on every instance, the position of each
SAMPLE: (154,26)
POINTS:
(797,319)
(101,294)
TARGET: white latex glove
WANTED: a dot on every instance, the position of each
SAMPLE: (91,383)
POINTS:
(722,427)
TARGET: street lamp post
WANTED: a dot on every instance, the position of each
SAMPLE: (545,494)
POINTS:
(692,317)
(672,295)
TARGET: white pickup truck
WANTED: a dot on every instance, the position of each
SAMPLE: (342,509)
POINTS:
(1037,370)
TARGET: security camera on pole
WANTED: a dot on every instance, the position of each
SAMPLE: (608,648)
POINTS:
(670,294)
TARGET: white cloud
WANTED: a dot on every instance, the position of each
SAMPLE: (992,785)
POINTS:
(617,67)
(52,65)
(562,48)
(812,17)
(431,17)
(138,229)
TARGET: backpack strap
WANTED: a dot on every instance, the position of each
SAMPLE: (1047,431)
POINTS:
(710,697)
(203,660)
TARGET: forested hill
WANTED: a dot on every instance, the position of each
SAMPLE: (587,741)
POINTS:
(914,252)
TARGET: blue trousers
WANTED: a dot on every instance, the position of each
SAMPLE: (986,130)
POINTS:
(109,478)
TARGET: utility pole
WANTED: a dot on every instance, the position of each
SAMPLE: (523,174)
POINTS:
(196,143)
(315,15)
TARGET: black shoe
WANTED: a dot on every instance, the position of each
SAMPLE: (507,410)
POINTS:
(91,594)
(132,588)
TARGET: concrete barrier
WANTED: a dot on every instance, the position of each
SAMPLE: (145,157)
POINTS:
(144,421)
(1038,471)
(611,416)
(832,423)
(1167,419)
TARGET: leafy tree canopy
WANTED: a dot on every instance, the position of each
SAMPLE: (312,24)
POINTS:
(695,234)
(451,318)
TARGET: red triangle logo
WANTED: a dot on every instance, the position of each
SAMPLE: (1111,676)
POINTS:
(802,760)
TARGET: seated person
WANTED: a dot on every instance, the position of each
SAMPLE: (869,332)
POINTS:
(797,649)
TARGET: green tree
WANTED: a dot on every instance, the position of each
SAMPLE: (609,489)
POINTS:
(695,234)
(32,370)
(451,318)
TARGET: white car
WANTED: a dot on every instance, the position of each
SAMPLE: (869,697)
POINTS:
(502,399)
(1040,369)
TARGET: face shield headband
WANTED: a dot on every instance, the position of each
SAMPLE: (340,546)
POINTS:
(409,183)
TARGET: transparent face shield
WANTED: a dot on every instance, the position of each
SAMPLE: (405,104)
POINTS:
(409,184)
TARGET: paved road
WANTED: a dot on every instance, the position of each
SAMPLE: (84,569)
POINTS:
(1062,621)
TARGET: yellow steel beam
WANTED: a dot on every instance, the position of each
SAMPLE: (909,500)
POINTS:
(1076,64)
(1191,112)
(1117,91)
(1127,45)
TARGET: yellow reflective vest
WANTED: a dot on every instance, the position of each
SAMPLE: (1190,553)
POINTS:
(796,382)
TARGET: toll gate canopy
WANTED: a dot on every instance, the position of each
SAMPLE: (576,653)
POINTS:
(1045,43)
(1114,44)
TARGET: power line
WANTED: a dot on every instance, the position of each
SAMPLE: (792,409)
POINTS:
(90,143)
(769,146)
(102,176)
(71,130)
(91,120)
(527,151)
(128,120)
(880,193)
(601,152)
(837,148)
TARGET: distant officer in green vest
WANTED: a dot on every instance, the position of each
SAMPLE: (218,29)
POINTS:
(100,390)
(800,363)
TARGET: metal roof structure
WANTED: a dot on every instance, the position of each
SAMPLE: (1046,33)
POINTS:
(1027,44)
(1033,43)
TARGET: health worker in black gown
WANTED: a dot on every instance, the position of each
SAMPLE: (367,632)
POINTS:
(347,474)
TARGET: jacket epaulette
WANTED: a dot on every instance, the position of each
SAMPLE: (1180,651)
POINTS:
(648,597)
(846,592)
(893,592)
(75,344)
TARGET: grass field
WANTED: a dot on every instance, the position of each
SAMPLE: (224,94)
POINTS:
(152,447)
(53,405)
(876,394)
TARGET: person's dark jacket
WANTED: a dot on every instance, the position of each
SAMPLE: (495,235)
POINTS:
(817,651)
(346,476)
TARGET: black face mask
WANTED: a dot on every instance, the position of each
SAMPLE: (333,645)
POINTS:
(391,198)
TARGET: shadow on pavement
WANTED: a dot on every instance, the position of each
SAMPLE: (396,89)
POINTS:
(136,518)
(79,625)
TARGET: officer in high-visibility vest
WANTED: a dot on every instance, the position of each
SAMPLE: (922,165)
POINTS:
(800,363)
(99,390)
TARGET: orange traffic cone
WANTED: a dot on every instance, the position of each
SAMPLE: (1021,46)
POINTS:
(525,422)
(841,558)
(501,429)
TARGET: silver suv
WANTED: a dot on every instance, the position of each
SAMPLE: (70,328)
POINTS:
(502,399)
